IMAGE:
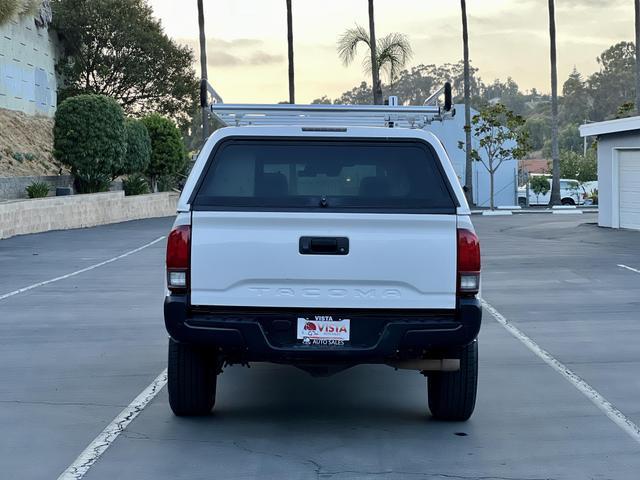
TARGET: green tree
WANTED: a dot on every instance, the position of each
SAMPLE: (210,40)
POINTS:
(360,95)
(614,84)
(579,167)
(501,136)
(576,101)
(538,129)
(168,156)
(393,52)
(539,184)
(90,139)
(138,153)
(117,48)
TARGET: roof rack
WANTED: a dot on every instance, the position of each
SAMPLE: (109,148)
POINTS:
(322,115)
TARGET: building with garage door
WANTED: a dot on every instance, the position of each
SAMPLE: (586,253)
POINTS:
(618,171)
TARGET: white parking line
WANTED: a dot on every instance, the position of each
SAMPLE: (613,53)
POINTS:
(90,455)
(73,274)
(629,268)
(615,415)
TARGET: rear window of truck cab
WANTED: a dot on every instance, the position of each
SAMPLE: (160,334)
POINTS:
(324,175)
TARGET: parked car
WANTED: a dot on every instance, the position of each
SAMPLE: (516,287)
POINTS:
(571,193)
(323,249)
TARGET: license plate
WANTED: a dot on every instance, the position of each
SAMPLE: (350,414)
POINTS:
(324,330)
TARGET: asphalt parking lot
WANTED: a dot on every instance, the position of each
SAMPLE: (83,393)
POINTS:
(76,351)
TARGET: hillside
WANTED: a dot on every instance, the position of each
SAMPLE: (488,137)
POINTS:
(26,143)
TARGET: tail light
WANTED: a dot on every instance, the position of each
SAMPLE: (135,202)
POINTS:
(468,263)
(179,259)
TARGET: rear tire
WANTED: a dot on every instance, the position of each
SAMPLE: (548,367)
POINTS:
(452,395)
(191,379)
(568,202)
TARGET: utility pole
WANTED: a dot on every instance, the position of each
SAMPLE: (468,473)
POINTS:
(203,74)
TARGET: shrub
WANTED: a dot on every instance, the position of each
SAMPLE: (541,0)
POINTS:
(540,185)
(135,185)
(38,190)
(17,156)
(168,155)
(89,138)
(30,156)
(138,152)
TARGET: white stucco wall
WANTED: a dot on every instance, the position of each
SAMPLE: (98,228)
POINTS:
(450,133)
(607,147)
(27,67)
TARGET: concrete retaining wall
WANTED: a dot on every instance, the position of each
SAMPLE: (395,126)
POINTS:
(14,187)
(77,211)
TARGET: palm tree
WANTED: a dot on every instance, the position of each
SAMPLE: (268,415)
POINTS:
(292,87)
(392,53)
(637,21)
(468,177)
(203,71)
(375,71)
(555,154)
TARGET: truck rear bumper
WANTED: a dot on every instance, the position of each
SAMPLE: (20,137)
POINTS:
(377,336)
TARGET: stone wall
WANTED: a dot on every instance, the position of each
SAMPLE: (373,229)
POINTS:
(21,217)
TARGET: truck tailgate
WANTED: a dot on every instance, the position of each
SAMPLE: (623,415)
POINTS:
(254,259)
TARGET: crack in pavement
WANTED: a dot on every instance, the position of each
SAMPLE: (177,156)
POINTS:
(92,453)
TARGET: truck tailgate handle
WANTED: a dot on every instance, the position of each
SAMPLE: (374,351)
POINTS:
(324,245)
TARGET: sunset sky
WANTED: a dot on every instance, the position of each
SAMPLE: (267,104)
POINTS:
(247,39)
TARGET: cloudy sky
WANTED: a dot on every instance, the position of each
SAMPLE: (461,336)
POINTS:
(247,39)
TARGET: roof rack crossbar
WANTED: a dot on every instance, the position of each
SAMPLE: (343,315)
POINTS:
(325,115)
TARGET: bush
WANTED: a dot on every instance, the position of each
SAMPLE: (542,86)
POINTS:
(38,190)
(17,156)
(135,185)
(138,154)
(168,155)
(540,185)
(89,138)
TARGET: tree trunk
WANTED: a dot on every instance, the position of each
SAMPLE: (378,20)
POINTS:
(292,87)
(491,185)
(375,72)
(468,177)
(555,154)
(203,69)
(637,21)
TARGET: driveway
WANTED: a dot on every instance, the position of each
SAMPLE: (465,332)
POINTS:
(86,338)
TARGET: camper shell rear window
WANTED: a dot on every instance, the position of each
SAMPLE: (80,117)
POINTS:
(302,174)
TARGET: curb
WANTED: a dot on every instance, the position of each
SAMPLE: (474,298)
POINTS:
(500,213)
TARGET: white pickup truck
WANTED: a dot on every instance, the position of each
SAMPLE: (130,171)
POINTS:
(323,248)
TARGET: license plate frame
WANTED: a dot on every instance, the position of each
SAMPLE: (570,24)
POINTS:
(323,330)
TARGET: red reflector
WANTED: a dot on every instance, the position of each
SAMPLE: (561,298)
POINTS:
(468,251)
(179,247)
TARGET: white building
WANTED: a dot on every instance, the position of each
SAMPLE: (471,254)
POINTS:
(618,171)
(451,132)
(27,65)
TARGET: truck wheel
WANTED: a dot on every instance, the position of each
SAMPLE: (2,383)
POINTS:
(452,395)
(192,374)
